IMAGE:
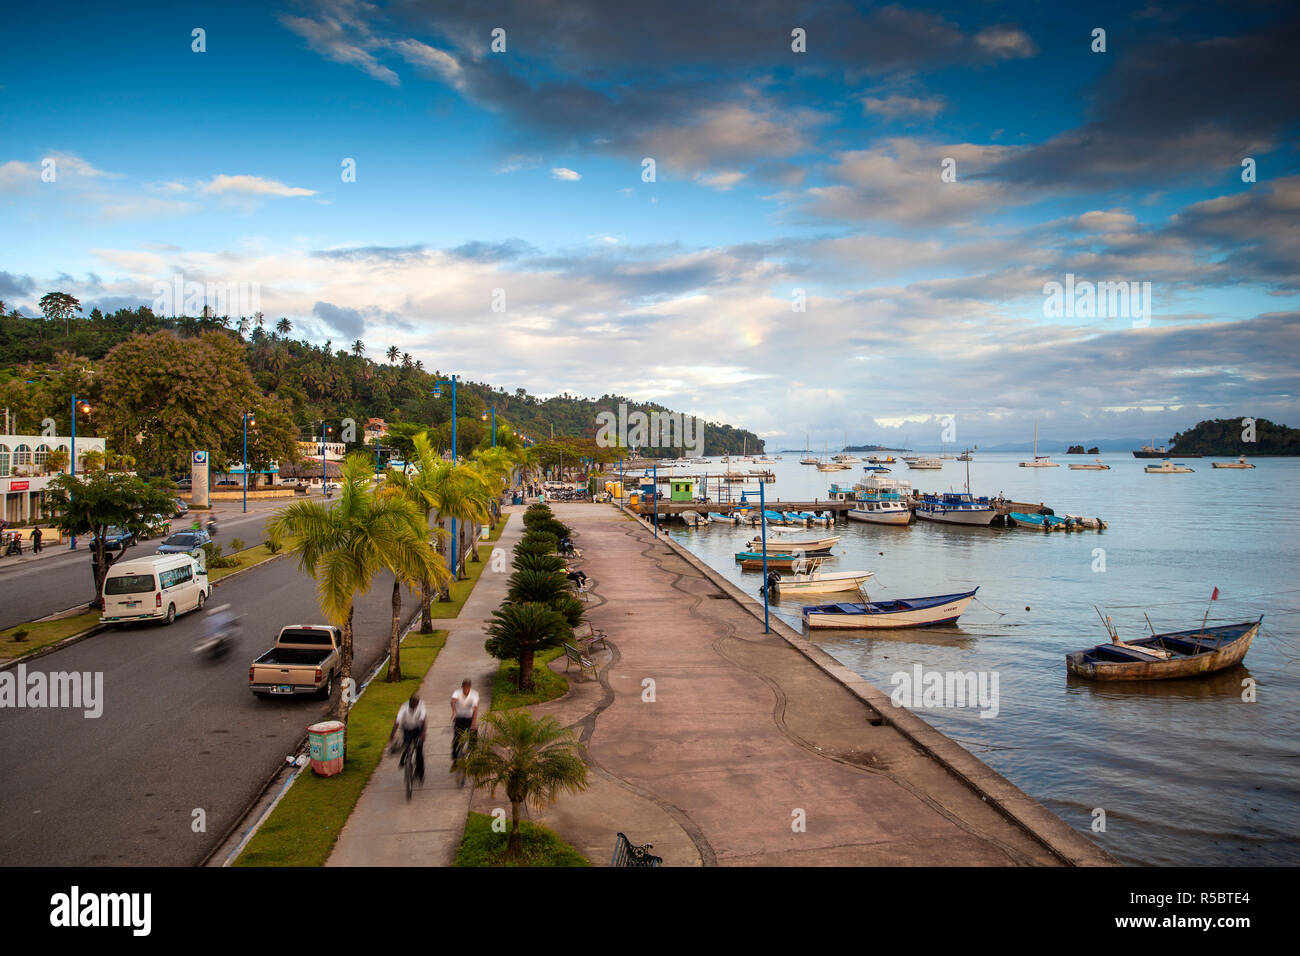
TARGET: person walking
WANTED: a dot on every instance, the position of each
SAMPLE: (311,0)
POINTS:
(36,541)
(464,717)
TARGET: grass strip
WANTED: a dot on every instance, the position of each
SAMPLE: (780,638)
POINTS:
(481,847)
(547,685)
(303,827)
(43,633)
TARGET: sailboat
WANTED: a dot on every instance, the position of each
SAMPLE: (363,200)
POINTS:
(1040,461)
(808,458)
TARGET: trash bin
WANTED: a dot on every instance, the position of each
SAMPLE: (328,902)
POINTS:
(484,533)
(325,742)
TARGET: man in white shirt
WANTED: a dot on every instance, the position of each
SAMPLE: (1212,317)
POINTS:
(464,717)
(412,719)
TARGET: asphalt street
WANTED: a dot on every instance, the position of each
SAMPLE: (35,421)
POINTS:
(176,735)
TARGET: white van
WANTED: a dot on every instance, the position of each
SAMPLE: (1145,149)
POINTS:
(155,588)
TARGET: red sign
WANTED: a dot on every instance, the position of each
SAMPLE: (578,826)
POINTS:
(17,486)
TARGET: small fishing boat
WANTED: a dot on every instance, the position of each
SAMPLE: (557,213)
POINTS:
(794,541)
(1037,522)
(1168,468)
(876,469)
(1203,650)
(965,456)
(1098,466)
(910,612)
(954,507)
(877,460)
(1239,463)
(925,464)
(805,578)
(720,518)
(1091,524)
(780,561)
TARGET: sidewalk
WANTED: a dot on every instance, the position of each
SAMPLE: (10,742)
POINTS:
(746,737)
(386,830)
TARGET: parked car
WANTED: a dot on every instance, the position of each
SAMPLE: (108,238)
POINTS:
(116,539)
(181,508)
(303,660)
(155,588)
(185,483)
(183,541)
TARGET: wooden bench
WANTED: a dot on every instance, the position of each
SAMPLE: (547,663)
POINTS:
(573,656)
(627,853)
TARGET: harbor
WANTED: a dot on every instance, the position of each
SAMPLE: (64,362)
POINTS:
(1072,743)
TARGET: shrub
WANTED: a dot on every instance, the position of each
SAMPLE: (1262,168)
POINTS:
(236,544)
(274,544)
(19,634)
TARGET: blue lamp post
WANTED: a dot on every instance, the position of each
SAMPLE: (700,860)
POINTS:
(72,458)
(654,490)
(762,522)
(248,417)
(455,541)
(494,425)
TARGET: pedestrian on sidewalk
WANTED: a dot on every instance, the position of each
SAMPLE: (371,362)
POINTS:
(36,541)
(412,719)
(464,717)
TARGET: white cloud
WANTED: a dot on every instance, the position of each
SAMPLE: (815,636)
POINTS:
(723,181)
(565,175)
(222,184)
(896,105)
(1006,42)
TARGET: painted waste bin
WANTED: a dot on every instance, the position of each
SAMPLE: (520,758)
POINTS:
(325,742)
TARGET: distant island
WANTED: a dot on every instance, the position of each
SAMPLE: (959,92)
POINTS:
(1223,436)
(1078,450)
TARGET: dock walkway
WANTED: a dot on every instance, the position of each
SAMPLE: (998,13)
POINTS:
(723,745)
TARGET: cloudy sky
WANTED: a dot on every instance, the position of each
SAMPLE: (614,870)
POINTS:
(848,239)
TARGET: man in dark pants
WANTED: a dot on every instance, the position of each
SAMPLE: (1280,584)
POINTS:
(36,541)
(412,719)
(464,717)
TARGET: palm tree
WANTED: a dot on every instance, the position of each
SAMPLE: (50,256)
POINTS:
(346,545)
(462,496)
(534,760)
(494,466)
(419,484)
(284,327)
(519,630)
(358,348)
(392,354)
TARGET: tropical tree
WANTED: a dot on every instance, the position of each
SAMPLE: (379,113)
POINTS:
(358,348)
(462,497)
(95,502)
(518,631)
(346,545)
(284,327)
(60,305)
(392,354)
(534,760)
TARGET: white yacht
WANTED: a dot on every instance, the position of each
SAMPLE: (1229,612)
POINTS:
(1040,461)
(956,507)
(881,500)
(925,464)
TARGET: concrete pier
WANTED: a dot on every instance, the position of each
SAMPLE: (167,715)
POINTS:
(723,745)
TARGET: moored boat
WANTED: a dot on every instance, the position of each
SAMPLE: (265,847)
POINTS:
(1168,468)
(909,612)
(1039,461)
(1239,463)
(956,508)
(925,464)
(880,509)
(782,541)
(781,561)
(807,579)
(1097,466)
(1203,650)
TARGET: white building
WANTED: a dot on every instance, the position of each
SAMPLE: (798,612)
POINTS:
(24,473)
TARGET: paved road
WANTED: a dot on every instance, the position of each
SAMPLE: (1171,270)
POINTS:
(175,734)
(33,589)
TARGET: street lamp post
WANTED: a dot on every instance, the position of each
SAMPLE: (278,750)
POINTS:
(762,523)
(72,458)
(248,416)
(494,425)
(455,541)
(654,490)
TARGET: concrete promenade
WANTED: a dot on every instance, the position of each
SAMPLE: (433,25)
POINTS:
(384,829)
(753,751)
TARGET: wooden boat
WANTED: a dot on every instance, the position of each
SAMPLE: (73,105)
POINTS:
(785,541)
(1239,463)
(805,578)
(911,612)
(717,516)
(776,560)
(1098,466)
(1167,468)
(1203,650)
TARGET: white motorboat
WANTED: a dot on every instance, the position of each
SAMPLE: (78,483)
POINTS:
(788,542)
(1040,461)
(910,612)
(1098,466)
(956,507)
(1167,468)
(924,464)
(1239,463)
(804,577)
(882,509)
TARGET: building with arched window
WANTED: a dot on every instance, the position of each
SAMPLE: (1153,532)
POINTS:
(25,471)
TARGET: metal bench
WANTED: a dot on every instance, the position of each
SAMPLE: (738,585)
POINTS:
(574,656)
(627,853)
(593,638)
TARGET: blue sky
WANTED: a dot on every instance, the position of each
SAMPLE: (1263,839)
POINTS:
(776,171)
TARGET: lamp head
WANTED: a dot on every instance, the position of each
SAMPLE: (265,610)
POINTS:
(437,391)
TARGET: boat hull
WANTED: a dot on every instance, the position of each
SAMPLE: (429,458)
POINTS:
(783,545)
(944,612)
(899,517)
(1086,665)
(978,519)
(824,583)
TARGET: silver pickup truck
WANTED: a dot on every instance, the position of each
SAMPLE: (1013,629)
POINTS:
(304,660)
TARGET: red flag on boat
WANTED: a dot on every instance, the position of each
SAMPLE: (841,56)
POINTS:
(1215,595)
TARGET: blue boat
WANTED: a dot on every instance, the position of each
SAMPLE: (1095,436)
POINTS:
(909,612)
(1037,522)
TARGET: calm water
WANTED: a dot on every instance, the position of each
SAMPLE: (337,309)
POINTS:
(1186,772)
